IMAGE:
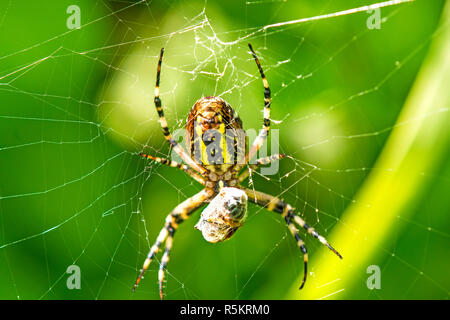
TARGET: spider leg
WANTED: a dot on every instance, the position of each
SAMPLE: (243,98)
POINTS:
(259,162)
(274,204)
(175,164)
(267,100)
(165,261)
(177,216)
(163,122)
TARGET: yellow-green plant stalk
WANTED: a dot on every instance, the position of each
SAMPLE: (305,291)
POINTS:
(415,146)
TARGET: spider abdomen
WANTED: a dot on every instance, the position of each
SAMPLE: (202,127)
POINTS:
(215,135)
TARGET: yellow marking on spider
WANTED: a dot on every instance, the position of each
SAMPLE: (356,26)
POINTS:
(147,263)
(201,144)
(163,122)
(223,141)
(266,113)
(286,210)
(272,204)
(299,221)
(292,228)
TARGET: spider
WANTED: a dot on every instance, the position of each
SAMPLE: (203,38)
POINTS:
(212,131)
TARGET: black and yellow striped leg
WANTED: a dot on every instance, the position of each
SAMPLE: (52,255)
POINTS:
(300,243)
(163,122)
(259,162)
(272,203)
(165,260)
(267,100)
(153,251)
(177,216)
(178,165)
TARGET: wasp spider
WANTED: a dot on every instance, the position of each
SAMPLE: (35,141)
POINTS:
(218,159)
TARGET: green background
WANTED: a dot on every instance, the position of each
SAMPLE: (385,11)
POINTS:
(76,109)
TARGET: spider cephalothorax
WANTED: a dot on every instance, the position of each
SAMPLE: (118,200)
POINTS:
(218,159)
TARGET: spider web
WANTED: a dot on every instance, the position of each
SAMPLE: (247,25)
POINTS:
(78,110)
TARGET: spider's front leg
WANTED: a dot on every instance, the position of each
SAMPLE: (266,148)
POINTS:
(164,126)
(272,203)
(267,101)
(177,216)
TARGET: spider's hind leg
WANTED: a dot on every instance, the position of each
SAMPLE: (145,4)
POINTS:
(177,216)
(272,203)
(165,261)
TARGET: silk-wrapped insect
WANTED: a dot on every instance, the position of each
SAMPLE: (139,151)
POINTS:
(224,215)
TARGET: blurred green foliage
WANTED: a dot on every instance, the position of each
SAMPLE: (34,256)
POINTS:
(77,108)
